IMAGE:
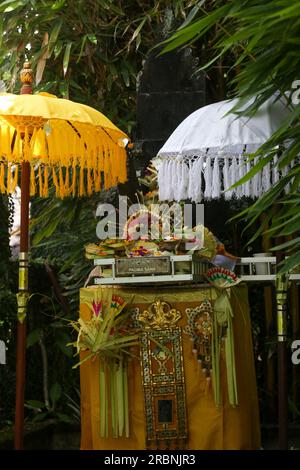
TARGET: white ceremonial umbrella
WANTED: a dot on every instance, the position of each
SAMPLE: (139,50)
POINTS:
(208,152)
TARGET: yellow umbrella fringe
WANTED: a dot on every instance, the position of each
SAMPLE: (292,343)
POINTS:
(46,182)
(55,181)
(12,178)
(17,147)
(64,181)
(67,182)
(81,182)
(89,182)
(40,180)
(73,186)
(61,183)
(2,178)
(26,146)
(32,182)
(95,159)
(97,180)
(9,178)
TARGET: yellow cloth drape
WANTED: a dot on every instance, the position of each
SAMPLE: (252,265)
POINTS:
(209,428)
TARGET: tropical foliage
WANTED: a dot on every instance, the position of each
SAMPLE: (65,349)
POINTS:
(88,50)
(264,38)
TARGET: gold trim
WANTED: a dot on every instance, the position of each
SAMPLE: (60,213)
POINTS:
(160,315)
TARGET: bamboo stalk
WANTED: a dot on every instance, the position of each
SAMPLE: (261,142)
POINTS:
(126,404)
(120,398)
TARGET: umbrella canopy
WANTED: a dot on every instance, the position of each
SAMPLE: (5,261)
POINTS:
(207,152)
(57,136)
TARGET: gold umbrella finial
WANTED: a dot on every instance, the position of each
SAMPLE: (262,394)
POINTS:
(26,76)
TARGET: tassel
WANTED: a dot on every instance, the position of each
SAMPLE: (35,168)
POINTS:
(191,166)
(55,181)
(2,178)
(247,191)
(256,182)
(32,181)
(208,178)
(40,181)
(97,180)
(241,174)
(196,178)
(17,148)
(266,173)
(9,179)
(81,182)
(73,185)
(61,183)
(226,179)
(26,146)
(67,182)
(15,179)
(172,180)
(176,172)
(89,182)
(169,189)
(233,175)
(168,183)
(161,179)
(46,182)
(216,180)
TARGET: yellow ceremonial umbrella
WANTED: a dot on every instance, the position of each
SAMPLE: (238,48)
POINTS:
(43,136)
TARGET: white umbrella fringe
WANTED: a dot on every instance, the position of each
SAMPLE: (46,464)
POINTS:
(208,176)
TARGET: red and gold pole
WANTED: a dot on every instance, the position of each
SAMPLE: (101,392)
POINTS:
(26,76)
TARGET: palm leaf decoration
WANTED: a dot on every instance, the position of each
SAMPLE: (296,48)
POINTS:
(108,337)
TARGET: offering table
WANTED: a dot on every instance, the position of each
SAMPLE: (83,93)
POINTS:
(187,413)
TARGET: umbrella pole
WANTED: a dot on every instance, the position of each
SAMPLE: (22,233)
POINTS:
(22,306)
(281,301)
(22,296)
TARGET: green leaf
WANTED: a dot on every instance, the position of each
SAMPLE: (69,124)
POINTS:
(63,418)
(290,263)
(67,58)
(288,244)
(33,337)
(258,167)
(57,49)
(11,5)
(47,232)
(136,32)
(82,47)
(62,339)
(125,76)
(192,14)
(58,5)
(92,38)
(40,417)
(36,404)
(54,35)
(55,393)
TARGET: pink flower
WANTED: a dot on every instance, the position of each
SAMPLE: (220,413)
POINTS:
(97,307)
